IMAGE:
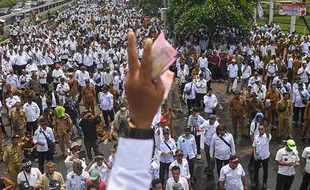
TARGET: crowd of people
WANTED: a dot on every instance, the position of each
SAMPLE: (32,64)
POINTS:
(64,79)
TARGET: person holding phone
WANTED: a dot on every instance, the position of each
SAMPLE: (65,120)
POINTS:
(75,155)
(100,164)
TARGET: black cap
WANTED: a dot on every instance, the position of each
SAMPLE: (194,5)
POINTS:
(54,184)
(43,120)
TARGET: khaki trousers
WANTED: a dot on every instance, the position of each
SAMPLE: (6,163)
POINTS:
(285,127)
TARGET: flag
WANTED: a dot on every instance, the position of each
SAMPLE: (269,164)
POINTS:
(260,11)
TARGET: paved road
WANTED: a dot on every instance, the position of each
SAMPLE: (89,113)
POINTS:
(243,149)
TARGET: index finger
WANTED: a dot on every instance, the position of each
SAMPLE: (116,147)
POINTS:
(132,54)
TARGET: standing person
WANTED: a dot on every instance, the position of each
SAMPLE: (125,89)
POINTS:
(89,96)
(182,163)
(62,89)
(237,111)
(62,126)
(76,180)
(88,124)
(232,74)
(187,144)
(300,99)
(284,109)
(176,181)
(18,120)
(222,147)
(50,177)
(210,102)
(194,121)
(209,128)
(271,69)
(232,176)
(13,158)
(168,115)
(44,150)
(156,184)
(246,72)
(166,152)
(33,113)
(75,149)
(106,105)
(261,154)
(100,164)
(273,96)
(190,92)
(201,85)
(28,174)
(305,169)
(287,158)
(174,96)
(305,130)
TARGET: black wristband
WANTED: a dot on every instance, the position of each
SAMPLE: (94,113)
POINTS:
(135,133)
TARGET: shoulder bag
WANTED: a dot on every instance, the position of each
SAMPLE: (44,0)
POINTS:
(50,143)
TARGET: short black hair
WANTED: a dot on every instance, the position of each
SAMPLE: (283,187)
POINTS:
(92,185)
(155,182)
(175,168)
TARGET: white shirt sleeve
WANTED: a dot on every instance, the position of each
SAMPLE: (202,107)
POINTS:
(131,169)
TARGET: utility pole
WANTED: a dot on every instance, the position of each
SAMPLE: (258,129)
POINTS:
(293,20)
(271,5)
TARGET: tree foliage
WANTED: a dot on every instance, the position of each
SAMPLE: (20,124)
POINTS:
(185,16)
(150,7)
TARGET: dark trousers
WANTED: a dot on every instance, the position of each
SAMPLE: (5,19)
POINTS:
(269,80)
(91,144)
(220,164)
(191,165)
(106,114)
(305,182)
(42,156)
(80,94)
(31,127)
(207,153)
(18,69)
(284,182)
(290,75)
(296,112)
(199,100)
(98,89)
(265,169)
(163,169)
(190,104)
(2,127)
(197,139)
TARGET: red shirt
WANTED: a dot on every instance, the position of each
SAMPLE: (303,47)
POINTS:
(100,186)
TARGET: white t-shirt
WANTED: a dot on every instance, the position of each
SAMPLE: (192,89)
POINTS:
(285,156)
(306,155)
(232,177)
(32,177)
(232,70)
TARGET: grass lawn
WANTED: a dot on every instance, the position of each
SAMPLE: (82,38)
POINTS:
(284,21)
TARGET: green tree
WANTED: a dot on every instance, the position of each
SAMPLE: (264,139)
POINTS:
(149,7)
(214,15)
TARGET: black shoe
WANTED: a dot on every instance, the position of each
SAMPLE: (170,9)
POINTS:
(264,186)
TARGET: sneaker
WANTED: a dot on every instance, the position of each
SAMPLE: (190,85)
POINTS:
(198,156)
(264,186)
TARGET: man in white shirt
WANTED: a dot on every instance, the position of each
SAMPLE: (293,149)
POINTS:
(77,179)
(75,150)
(232,176)
(203,61)
(28,174)
(209,128)
(261,154)
(12,79)
(44,152)
(166,151)
(33,113)
(299,100)
(222,147)
(190,91)
(81,75)
(176,181)
(287,158)
(305,168)
(232,73)
(201,85)
(100,164)
(106,105)
(62,89)
(246,72)
(271,69)
(182,163)
(210,102)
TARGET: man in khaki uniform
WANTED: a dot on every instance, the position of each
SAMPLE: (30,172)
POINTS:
(50,174)
(305,129)
(273,96)
(18,120)
(89,97)
(62,125)
(284,109)
(237,109)
(13,157)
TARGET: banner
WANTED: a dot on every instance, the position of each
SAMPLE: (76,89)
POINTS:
(260,10)
(290,9)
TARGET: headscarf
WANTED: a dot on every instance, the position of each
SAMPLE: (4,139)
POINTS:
(60,111)
(259,114)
